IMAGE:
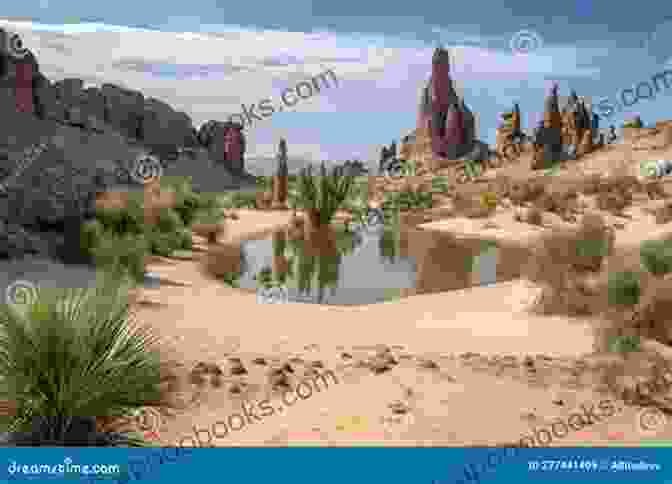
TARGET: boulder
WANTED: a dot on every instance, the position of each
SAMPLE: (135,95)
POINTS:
(124,109)
(162,125)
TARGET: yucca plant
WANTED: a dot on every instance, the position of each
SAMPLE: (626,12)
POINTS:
(322,195)
(71,355)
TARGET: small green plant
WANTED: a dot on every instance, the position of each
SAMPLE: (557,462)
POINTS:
(164,243)
(239,200)
(323,194)
(473,169)
(408,200)
(656,256)
(122,254)
(440,184)
(625,344)
(169,221)
(624,288)
(264,183)
(105,364)
(92,232)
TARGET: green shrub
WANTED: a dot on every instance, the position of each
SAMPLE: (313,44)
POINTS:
(169,221)
(92,232)
(76,354)
(408,200)
(656,256)
(164,243)
(625,344)
(624,288)
(127,220)
(122,254)
(186,241)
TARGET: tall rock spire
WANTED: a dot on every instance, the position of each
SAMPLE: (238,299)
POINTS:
(441,83)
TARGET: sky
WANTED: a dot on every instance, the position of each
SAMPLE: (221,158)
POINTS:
(208,57)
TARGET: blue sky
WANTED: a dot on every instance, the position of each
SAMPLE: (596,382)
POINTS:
(380,51)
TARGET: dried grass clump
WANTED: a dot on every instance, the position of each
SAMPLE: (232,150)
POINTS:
(560,198)
(655,190)
(532,216)
(264,200)
(222,260)
(565,264)
(211,231)
(522,191)
(645,316)
(662,212)
(615,193)
(591,184)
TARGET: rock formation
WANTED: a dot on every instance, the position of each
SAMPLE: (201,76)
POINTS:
(280,180)
(446,118)
(508,133)
(226,143)
(86,132)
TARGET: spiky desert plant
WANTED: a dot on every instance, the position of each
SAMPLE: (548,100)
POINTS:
(322,195)
(71,355)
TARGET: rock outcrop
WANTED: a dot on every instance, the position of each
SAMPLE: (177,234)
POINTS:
(449,121)
(226,143)
(86,133)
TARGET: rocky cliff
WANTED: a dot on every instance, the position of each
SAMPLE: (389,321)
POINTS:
(61,144)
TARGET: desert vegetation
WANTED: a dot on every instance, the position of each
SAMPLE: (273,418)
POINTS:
(107,365)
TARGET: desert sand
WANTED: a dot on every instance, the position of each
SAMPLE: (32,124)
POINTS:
(460,399)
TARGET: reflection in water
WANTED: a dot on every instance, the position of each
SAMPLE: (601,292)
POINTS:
(344,268)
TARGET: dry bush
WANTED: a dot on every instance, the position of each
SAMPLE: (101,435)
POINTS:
(615,193)
(663,213)
(222,260)
(565,262)
(648,318)
(264,200)
(591,184)
(211,231)
(521,191)
(532,216)
(655,190)
(560,198)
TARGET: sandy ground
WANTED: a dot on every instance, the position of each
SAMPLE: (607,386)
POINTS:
(467,367)
(435,394)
